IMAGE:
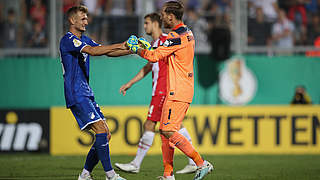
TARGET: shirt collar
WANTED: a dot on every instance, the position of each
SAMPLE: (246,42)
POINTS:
(179,25)
(74,35)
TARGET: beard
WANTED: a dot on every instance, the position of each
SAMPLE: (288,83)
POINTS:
(166,25)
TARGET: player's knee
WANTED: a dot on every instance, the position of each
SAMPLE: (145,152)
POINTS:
(109,136)
(149,125)
(166,134)
(99,127)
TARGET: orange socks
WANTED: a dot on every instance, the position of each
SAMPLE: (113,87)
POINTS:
(167,155)
(186,147)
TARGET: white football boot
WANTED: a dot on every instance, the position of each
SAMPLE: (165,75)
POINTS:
(190,168)
(116,177)
(130,167)
(166,178)
(204,170)
(87,177)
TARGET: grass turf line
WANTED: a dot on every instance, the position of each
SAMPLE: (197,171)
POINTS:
(228,167)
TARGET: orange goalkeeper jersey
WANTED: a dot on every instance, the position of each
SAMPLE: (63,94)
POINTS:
(178,50)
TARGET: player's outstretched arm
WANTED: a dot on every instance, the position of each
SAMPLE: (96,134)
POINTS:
(156,55)
(118,53)
(103,50)
(140,75)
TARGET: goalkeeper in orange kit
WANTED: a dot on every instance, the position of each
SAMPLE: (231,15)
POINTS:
(178,50)
(152,27)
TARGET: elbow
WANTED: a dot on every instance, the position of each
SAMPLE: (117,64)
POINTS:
(150,59)
(153,60)
(94,51)
(89,50)
(93,54)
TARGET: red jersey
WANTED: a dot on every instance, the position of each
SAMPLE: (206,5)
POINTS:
(159,70)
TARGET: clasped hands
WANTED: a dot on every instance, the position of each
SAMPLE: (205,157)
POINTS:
(134,43)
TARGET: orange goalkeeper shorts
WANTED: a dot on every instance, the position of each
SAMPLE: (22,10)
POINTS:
(173,113)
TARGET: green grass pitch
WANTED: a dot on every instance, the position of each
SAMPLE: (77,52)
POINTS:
(227,167)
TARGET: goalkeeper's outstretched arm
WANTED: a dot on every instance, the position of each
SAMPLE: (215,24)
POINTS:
(146,51)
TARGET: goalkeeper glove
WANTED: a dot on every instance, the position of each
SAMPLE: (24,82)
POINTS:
(133,40)
(132,43)
(144,43)
(133,48)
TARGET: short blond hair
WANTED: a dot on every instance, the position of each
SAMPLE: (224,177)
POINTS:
(75,9)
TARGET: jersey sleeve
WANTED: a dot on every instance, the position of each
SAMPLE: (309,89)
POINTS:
(170,45)
(92,43)
(73,44)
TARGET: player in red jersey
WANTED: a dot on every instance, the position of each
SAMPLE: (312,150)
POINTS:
(152,25)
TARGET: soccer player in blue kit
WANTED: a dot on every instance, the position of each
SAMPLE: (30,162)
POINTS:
(75,50)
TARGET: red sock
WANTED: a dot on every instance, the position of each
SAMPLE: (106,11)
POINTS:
(186,147)
(167,157)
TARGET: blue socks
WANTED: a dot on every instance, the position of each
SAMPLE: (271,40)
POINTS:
(102,151)
(99,151)
(92,159)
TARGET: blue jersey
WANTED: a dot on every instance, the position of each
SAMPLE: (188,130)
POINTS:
(75,67)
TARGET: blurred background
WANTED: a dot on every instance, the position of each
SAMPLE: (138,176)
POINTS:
(33,27)
(261,56)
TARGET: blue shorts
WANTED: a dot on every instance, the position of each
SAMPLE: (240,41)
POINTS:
(86,111)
